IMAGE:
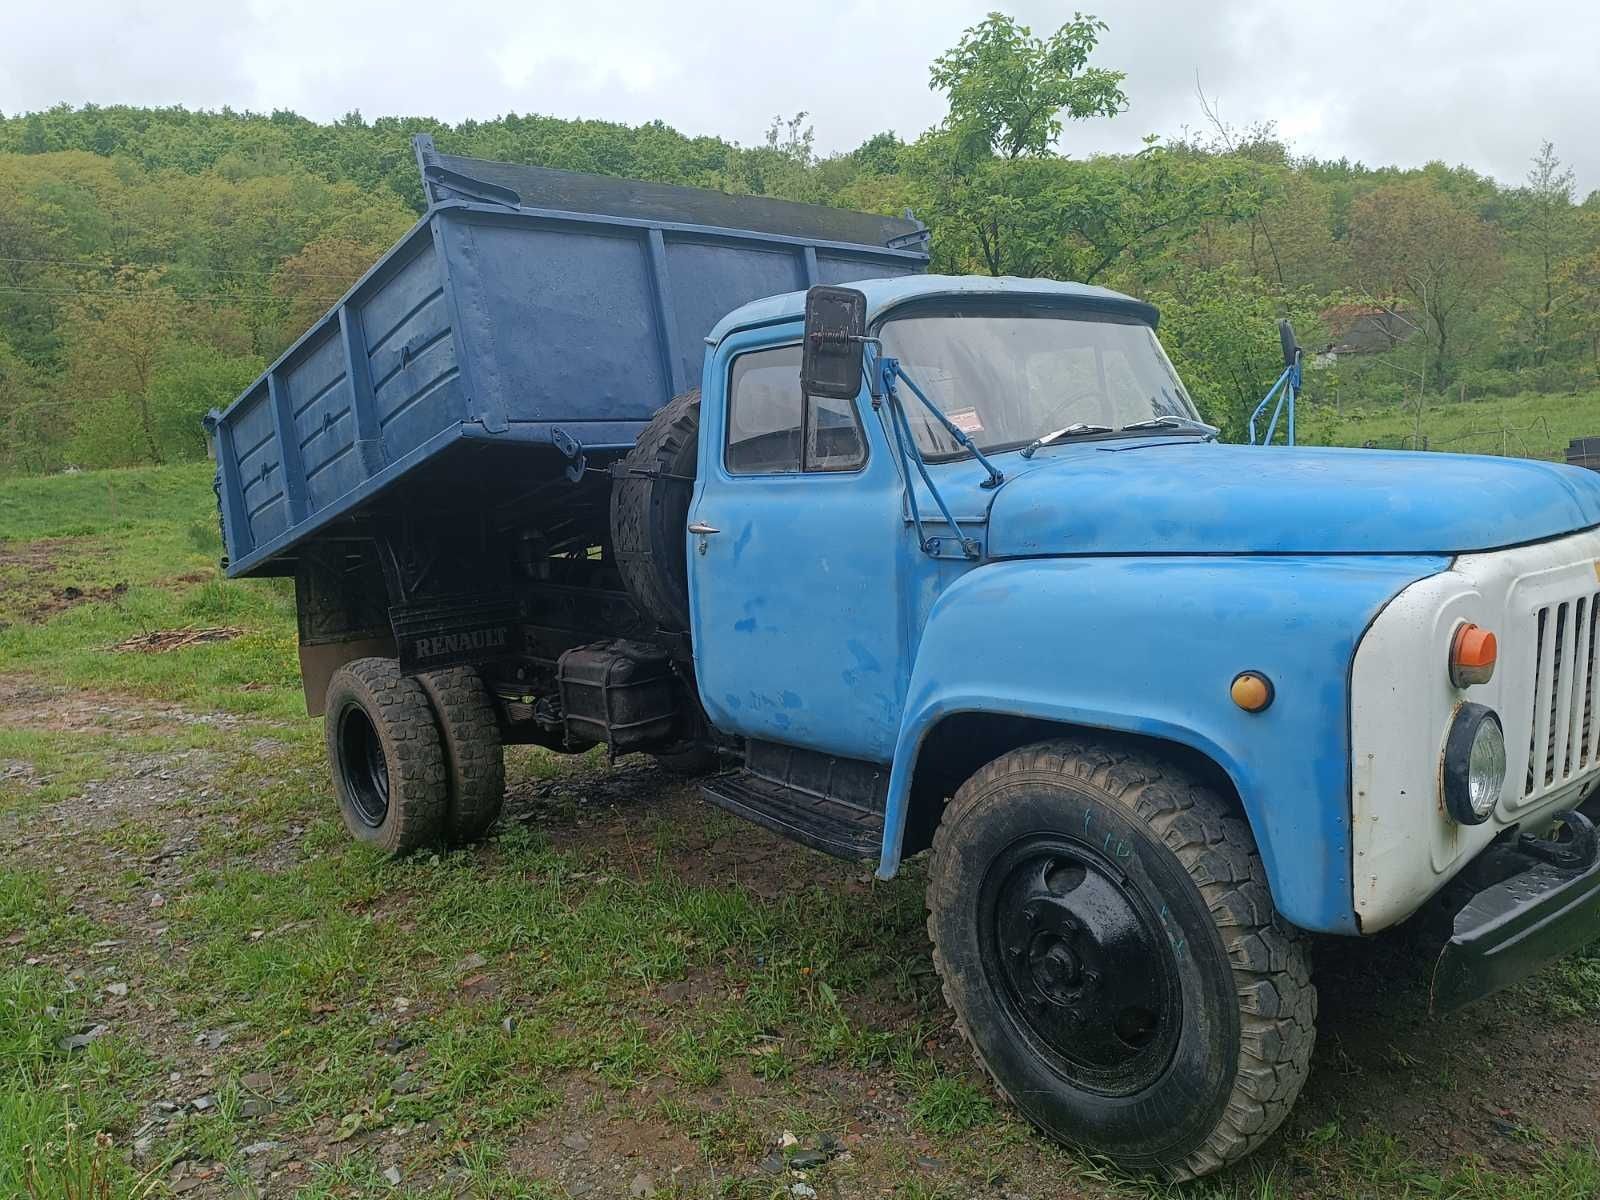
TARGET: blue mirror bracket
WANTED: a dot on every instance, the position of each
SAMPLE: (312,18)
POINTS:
(891,370)
(905,444)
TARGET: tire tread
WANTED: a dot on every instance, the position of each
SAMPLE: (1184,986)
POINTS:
(1271,965)
(469,734)
(400,712)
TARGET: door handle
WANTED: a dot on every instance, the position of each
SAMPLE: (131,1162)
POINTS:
(701,528)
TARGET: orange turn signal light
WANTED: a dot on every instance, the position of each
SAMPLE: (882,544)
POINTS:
(1251,691)
(1473,652)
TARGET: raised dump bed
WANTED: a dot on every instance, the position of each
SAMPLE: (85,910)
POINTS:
(529,318)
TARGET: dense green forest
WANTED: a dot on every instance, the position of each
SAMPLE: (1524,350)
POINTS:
(153,260)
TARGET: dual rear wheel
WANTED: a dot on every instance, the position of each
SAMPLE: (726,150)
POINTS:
(417,761)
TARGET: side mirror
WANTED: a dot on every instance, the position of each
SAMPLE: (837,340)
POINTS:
(835,345)
(1291,348)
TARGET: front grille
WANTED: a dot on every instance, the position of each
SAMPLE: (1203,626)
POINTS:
(1565,738)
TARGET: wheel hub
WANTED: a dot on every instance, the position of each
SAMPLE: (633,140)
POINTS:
(1083,962)
(1056,969)
(365,770)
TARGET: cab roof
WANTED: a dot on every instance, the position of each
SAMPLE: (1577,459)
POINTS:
(884,294)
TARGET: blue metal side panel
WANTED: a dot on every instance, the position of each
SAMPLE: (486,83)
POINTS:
(559,318)
(712,277)
(835,268)
(260,465)
(411,355)
(1150,646)
(312,438)
(317,388)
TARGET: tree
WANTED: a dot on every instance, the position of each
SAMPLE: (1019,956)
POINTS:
(29,426)
(1074,220)
(310,281)
(1423,258)
(1544,231)
(1579,277)
(119,334)
(1220,327)
(1007,89)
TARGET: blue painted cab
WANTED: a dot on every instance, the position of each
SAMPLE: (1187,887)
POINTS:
(1122,583)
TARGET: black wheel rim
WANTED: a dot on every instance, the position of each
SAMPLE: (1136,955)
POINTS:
(1083,963)
(365,771)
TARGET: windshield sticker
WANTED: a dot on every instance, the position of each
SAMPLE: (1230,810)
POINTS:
(966,420)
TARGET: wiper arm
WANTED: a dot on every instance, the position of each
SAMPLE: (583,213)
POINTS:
(1170,421)
(1073,430)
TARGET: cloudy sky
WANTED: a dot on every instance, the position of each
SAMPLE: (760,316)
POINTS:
(1404,81)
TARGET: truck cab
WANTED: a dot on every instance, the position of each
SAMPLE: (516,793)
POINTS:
(947,565)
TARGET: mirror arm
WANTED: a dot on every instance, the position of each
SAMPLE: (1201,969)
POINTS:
(909,454)
(890,368)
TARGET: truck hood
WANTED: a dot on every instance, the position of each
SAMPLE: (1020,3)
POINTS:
(1161,496)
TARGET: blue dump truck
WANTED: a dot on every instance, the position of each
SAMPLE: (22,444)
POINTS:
(912,564)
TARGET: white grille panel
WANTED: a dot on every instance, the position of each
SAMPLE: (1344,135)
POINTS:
(1565,739)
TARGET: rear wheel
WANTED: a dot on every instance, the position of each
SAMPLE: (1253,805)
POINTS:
(1105,934)
(474,760)
(388,767)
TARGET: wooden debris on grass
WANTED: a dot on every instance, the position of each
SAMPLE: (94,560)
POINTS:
(163,640)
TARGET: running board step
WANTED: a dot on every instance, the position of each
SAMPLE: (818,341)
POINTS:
(824,823)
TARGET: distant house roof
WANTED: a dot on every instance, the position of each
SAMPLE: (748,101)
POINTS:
(1366,328)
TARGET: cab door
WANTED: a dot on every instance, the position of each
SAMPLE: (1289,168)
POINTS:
(796,552)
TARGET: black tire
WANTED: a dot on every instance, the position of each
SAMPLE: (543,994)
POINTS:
(474,760)
(697,753)
(650,510)
(388,766)
(1051,856)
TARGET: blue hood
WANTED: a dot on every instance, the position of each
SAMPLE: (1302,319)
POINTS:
(1171,497)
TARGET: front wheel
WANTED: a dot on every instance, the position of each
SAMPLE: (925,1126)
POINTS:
(1105,934)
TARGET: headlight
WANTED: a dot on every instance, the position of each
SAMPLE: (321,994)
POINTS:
(1474,764)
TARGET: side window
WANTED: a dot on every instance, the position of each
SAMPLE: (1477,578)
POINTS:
(833,439)
(775,429)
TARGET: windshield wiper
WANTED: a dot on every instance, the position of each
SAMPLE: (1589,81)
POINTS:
(1171,421)
(1073,430)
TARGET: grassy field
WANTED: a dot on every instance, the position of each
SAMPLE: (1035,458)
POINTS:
(1529,426)
(207,990)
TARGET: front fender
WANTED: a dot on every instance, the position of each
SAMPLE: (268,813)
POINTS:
(1150,646)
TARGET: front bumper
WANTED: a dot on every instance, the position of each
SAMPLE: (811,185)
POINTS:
(1513,927)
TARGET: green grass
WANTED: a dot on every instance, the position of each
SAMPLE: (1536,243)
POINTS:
(163,500)
(1529,426)
(154,532)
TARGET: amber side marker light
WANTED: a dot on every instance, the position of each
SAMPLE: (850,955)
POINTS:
(1251,691)
(1473,651)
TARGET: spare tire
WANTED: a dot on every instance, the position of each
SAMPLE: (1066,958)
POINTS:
(650,510)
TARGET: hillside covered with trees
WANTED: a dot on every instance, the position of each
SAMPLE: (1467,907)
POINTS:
(153,260)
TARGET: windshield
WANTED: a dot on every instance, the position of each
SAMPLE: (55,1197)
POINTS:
(1008,378)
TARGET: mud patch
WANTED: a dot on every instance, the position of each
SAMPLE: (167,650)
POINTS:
(592,1145)
(29,704)
(30,573)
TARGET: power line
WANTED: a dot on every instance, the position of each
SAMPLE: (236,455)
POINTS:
(96,266)
(129,292)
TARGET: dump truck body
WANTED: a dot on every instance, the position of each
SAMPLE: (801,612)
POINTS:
(504,318)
